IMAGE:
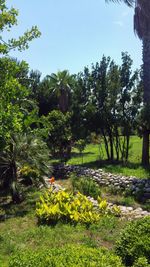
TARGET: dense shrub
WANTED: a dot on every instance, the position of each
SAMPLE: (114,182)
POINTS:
(68,256)
(134,241)
(66,207)
(141,262)
(86,186)
(59,133)
(29,175)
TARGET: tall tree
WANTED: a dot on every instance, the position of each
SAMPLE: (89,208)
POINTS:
(142,29)
(14,109)
(61,84)
(46,98)
(79,105)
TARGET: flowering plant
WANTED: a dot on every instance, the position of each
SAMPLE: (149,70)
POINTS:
(52,180)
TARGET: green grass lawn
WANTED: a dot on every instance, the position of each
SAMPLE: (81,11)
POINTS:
(94,156)
(22,232)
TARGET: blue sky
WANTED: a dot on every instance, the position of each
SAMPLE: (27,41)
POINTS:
(75,33)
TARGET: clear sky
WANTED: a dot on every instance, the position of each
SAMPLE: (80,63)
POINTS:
(75,33)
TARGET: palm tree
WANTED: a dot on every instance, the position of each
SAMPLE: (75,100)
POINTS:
(142,29)
(23,150)
(61,84)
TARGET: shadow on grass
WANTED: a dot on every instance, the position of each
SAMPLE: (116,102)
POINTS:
(8,209)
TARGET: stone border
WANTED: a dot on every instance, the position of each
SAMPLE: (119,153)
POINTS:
(137,187)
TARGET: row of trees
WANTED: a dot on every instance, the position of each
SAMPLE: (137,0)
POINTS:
(105,99)
(142,29)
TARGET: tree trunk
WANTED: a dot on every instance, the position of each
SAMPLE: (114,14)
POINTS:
(16,198)
(145,151)
(106,144)
(117,143)
(111,144)
(63,101)
(146,84)
(127,147)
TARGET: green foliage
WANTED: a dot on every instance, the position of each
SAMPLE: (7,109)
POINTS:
(80,145)
(141,262)
(59,132)
(64,206)
(107,101)
(134,241)
(29,174)
(13,97)
(61,84)
(86,186)
(19,151)
(8,18)
(70,256)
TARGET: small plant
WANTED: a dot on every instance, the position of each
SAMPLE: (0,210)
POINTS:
(86,186)
(102,204)
(80,145)
(116,210)
(105,209)
(134,241)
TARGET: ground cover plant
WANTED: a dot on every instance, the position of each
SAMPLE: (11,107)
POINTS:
(69,256)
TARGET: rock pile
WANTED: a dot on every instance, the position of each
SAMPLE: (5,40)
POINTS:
(135,186)
(129,213)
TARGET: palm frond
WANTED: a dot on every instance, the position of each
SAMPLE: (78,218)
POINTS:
(129,3)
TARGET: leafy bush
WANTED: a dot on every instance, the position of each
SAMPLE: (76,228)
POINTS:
(86,186)
(69,256)
(66,207)
(141,262)
(59,133)
(29,175)
(134,241)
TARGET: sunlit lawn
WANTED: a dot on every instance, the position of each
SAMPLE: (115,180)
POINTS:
(94,156)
